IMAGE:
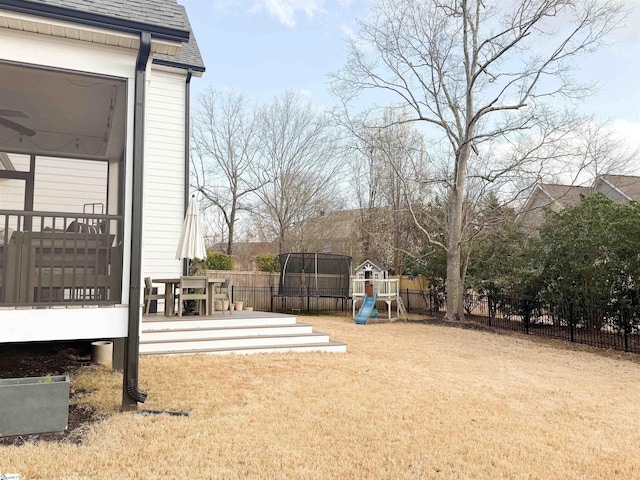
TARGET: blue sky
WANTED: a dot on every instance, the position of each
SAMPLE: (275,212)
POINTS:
(263,47)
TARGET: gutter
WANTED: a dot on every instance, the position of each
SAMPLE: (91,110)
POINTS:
(187,152)
(182,66)
(131,394)
(94,20)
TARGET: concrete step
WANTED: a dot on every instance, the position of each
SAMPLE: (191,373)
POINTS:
(328,347)
(168,346)
(159,334)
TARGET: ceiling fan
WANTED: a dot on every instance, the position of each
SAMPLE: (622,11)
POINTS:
(13,125)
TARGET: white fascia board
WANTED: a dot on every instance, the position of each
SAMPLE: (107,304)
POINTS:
(74,31)
(39,325)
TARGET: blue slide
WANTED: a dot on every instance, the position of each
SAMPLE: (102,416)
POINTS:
(366,310)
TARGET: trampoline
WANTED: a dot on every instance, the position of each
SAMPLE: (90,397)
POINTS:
(314,275)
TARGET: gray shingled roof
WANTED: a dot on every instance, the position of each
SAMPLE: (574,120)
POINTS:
(189,55)
(160,13)
(566,195)
(163,14)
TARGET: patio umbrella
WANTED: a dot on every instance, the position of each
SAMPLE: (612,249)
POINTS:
(191,240)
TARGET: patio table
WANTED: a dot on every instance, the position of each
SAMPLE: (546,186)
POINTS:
(170,285)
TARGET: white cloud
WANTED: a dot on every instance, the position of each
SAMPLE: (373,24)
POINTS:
(627,132)
(286,11)
(347,31)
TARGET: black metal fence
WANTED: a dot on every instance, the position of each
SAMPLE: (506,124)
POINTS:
(611,327)
(603,327)
(266,299)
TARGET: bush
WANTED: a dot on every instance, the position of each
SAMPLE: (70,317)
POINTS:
(218,261)
(268,263)
(214,261)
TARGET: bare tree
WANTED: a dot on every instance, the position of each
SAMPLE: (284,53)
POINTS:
(379,154)
(300,164)
(224,150)
(478,74)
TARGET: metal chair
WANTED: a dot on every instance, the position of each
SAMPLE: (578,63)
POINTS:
(193,288)
(149,295)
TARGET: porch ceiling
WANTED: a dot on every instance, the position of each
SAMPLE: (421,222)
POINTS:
(72,115)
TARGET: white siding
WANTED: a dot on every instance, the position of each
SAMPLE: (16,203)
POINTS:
(164,173)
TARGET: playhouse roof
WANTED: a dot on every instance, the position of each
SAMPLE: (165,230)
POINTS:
(375,263)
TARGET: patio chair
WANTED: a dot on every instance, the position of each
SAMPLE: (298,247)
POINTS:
(193,288)
(222,294)
(149,295)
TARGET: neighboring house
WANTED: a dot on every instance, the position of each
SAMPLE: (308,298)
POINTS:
(330,232)
(94,109)
(619,188)
(548,196)
(359,233)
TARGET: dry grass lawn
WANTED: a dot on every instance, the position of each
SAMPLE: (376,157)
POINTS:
(408,401)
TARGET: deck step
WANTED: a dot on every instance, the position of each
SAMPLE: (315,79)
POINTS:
(259,332)
(166,334)
(329,347)
(233,342)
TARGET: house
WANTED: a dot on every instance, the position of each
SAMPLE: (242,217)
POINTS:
(94,123)
(619,188)
(544,196)
(548,196)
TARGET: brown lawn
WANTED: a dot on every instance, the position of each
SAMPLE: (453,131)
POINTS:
(408,401)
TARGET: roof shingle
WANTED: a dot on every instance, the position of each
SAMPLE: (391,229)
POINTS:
(161,14)
(189,55)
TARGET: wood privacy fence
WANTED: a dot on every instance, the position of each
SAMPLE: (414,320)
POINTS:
(247,278)
(268,279)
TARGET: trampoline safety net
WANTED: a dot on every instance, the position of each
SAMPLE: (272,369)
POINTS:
(314,274)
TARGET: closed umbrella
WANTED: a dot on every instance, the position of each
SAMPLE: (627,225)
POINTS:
(191,240)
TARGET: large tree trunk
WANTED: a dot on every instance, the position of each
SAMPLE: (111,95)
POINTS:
(231,226)
(455,287)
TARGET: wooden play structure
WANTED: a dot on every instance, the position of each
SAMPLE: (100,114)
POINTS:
(386,290)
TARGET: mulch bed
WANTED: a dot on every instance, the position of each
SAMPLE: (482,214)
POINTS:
(43,359)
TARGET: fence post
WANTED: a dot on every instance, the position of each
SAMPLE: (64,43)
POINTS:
(489,307)
(408,301)
(627,329)
(527,315)
(571,323)
(271,292)
(232,293)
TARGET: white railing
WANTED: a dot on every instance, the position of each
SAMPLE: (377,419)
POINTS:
(381,288)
